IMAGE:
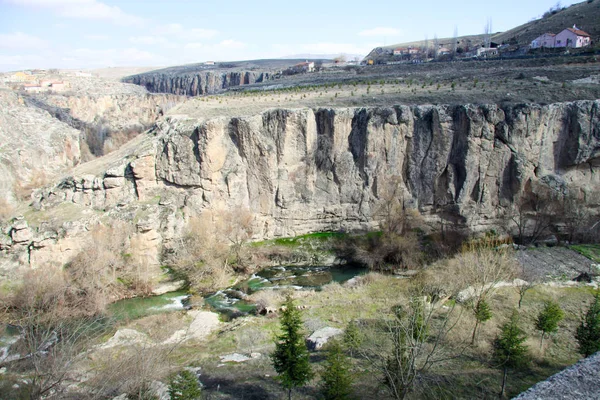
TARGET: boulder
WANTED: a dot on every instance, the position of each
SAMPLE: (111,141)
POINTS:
(235,357)
(318,339)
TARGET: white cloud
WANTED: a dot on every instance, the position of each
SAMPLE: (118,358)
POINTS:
(179,31)
(96,37)
(148,40)
(193,46)
(20,40)
(231,44)
(83,9)
(381,31)
(322,48)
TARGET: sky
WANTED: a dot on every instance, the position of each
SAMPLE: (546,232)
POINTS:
(83,34)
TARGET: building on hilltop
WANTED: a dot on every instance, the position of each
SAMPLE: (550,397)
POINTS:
(573,37)
(546,40)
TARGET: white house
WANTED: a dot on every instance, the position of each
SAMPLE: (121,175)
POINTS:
(572,37)
(546,40)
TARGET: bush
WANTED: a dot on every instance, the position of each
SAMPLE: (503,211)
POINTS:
(588,332)
(184,386)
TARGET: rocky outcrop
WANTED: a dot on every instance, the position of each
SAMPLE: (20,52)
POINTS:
(34,146)
(306,170)
(196,83)
(115,111)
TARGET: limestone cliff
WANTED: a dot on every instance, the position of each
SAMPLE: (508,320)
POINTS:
(195,83)
(306,170)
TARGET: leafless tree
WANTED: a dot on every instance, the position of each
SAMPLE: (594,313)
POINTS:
(455,42)
(487,32)
(406,345)
(436,46)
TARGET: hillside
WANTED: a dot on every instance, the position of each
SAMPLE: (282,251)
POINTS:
(585,15)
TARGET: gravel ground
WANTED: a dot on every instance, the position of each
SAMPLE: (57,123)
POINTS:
(580,381)
(553,263)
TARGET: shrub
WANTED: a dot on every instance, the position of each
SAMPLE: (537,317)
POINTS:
(588,332)
(184,386)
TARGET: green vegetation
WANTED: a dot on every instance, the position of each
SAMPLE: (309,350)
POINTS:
(588,332)
(591,251)
(336,378)
(290,358)
(548,319)
(184,386)
(509,350)
(482,314)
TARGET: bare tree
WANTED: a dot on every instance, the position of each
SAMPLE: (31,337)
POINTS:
(454,42)
(436,46)
(408,343)
(487,32)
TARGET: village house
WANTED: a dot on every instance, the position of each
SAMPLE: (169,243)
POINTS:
(546,40)
(573,37)
(32,88)
(485,52)
(58,86)
(307,66)
(22,77)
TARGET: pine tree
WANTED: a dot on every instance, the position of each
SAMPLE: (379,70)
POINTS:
(588,333)
(336,376)
(290,358)
(353,337)
(184,386)
(548,319)
(482,313)
(509,350)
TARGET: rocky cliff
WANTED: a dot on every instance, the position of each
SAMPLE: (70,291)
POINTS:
(306,170)
(195,83)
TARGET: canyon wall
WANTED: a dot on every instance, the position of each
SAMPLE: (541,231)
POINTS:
(306,170)
(195,83)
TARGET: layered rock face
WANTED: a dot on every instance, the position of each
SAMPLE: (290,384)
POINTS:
(196,83)
(118,111)
(305,170)
(34,146)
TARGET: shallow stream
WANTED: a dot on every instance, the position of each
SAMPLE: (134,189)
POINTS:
(233,302)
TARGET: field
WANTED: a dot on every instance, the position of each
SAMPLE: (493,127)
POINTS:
(543,81)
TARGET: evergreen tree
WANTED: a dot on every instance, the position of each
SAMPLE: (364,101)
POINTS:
(290,358)
(353,337)
(509,350)
(548,319)
(482,314)
(184,386)
(588,333)
(336,376)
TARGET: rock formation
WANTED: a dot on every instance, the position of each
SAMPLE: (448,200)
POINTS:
(195,83)
(306,170)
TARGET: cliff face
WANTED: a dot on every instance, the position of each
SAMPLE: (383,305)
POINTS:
(195,83)
(305,170)
(309,170)
(118,111)
(34,146)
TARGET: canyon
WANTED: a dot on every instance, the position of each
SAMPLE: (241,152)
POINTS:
(307,170)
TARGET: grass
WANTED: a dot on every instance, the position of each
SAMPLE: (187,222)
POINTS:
(317,237)
(471,375)
(591,251)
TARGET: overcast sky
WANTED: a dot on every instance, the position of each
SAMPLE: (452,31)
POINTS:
(104,33)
